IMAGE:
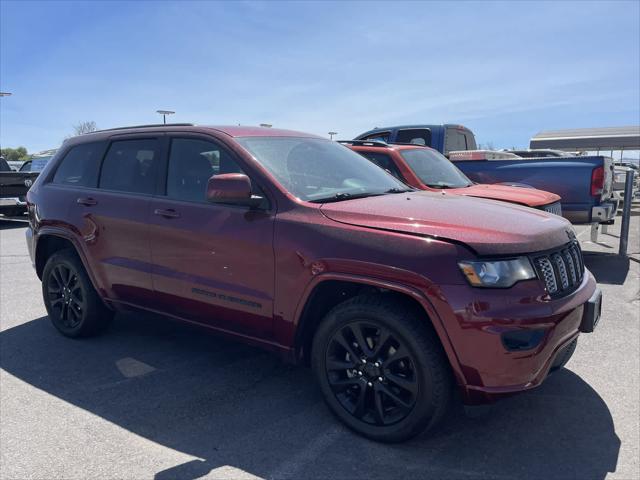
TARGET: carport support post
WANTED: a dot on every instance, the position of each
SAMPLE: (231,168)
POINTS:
(626,212)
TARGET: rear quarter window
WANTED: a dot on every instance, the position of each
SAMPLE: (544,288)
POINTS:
(79,166)
(455,140)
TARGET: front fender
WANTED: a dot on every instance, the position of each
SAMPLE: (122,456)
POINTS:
(417,294)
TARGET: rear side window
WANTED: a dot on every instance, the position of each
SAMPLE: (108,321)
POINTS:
(79,167)
(191,163)
(384,161)
(416,136)
(131,166)
(456,140)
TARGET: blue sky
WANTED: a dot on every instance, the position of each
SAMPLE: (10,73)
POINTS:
(506,70)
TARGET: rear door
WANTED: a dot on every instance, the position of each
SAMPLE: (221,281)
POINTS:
(114,223)
(212,263)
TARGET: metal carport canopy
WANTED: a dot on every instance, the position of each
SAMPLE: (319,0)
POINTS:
(607,138)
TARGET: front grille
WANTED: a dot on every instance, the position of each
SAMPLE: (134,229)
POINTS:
(561,270)
(555,208)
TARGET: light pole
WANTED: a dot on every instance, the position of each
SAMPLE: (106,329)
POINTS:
(331,134)
(164,114)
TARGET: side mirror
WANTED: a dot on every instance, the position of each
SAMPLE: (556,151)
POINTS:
(232,189)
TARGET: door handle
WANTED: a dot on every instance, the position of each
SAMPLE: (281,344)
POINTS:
(86,201)
(169,213)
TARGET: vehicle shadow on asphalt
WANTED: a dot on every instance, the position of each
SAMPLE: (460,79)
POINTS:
(608,268)
(238,409)
(11,224)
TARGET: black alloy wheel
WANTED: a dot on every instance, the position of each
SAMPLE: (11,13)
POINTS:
(66,295)
(73,305)
(371,373)
(381,367)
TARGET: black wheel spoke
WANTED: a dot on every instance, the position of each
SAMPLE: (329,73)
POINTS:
(56,301)
(361,407)
(56,276)
(379,408)
(343,384)
(335,364)
(344,343)
(395,398)
(402,382)
(362,341)
(399,353)
(381,342)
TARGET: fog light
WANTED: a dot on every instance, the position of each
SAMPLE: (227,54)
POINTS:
(518,340)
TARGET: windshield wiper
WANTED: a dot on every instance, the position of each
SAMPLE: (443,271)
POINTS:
(338,197)
(437,185)
(399,190)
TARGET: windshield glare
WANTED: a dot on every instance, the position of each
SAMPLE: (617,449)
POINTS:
(434,169)
(315,169)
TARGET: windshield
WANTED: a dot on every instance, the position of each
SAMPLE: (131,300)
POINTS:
(37,164)
(433,169)
(318,170)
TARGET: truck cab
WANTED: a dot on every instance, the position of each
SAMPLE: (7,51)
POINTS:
(444,138)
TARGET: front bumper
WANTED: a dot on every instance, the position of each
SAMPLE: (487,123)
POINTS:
(506,341)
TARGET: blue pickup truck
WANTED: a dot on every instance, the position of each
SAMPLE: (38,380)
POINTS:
(584,182)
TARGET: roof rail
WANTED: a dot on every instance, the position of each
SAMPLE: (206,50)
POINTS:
(150,125)
(408,143)
(368,143)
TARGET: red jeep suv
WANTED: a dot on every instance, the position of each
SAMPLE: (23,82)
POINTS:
(299,245)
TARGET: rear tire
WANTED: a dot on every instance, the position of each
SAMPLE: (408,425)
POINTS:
(381,368)
(72,303)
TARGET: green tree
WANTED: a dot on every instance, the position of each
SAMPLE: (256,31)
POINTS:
(15,154)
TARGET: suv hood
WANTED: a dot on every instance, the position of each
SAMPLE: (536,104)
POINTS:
(530,197)
(489,227)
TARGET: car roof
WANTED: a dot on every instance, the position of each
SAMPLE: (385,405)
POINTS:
(230,130)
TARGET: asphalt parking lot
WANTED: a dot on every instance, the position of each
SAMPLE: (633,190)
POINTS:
(156,399)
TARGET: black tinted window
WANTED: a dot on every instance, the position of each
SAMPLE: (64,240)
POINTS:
(417,136)
(79,166)
(131,166)
(380,137)
(384,161)
(455,141)
(191,163)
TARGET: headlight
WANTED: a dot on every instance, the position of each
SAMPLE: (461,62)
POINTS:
(498,273)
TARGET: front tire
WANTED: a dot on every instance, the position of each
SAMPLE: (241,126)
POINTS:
(72,303)
(381,368)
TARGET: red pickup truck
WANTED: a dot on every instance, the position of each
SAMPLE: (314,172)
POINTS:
(297,244)
(427,169)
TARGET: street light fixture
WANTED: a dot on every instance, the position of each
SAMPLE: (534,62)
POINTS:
(5,94)
(331,134)
(164,114)
(266,125)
